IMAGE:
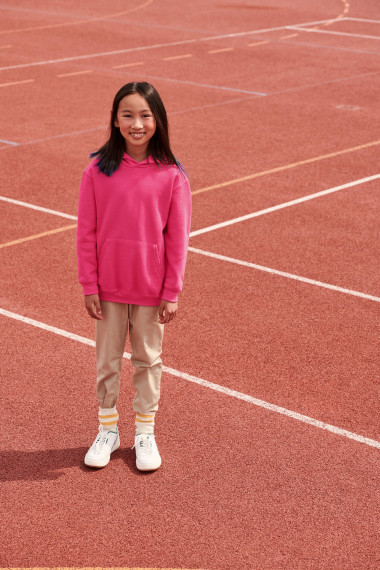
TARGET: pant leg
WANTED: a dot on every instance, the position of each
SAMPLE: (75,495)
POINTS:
(146,334)
(111,333)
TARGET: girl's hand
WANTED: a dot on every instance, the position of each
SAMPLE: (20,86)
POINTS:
(167,311)
(93,306)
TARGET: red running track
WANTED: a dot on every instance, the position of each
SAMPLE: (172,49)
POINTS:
(266,106)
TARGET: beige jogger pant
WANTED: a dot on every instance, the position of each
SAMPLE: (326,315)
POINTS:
(146,334)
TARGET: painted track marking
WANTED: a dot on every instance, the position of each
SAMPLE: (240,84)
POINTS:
(231,260)
(221,50)
(77,22)
(238,220)
(173,57)
(286,167)
(207,85)
(128,64)
(285,205)
(287,275)
(39,208)
(289,36)
(16,82)
(367,20)
(36,236)
(221,224)
(11,143)
(321,83)
(329,32)
(207,384)
(62,135)
(258,44)
(75,73)
(142,48)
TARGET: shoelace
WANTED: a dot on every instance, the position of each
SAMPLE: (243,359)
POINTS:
(146,444)
(101,439)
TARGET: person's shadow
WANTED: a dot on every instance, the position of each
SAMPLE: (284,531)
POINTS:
(50,464)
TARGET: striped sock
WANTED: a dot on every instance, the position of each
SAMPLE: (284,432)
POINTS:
(108,418)
(144,423)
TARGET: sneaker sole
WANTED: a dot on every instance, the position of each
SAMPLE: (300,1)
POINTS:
(99,464)
(141,467)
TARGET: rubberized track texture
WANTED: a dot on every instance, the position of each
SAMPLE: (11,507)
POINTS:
(268,422)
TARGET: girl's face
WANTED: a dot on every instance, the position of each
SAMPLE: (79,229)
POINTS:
(137,124)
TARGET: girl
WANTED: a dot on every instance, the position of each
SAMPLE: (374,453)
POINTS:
(133,231)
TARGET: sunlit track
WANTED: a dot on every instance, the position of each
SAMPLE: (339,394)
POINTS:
(207,384)
(267,425)
(286,167)
(285,205)
(141,48)
(285,274)
(37,236)
(333,33)
(224,224)
(77,22)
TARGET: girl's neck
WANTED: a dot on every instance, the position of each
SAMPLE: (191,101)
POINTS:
(138,155)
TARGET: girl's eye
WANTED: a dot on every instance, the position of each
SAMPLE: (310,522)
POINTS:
(146,116)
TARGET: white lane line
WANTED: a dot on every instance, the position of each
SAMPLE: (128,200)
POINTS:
(63,135)
(242,218)
(327,82)
(258,44)
(207,85)
(362,20)
(289,36)
(16,82)
(285,274)
(206,384)
(39,208)
(221,50)
(60,136)
(12,143)
(313,30)
(172,57)
(284,205)
(128,64)
(142,48)
(320,22)
(75,73)
(222,224)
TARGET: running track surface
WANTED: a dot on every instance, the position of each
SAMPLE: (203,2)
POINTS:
(268,423)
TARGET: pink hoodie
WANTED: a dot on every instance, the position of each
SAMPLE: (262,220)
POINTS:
(133,232)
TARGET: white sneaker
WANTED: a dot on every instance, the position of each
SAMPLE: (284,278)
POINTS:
(100,451)
(147,456)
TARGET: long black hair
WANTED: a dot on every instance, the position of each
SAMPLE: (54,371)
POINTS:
(111,153)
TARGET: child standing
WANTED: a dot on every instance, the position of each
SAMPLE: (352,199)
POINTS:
(133,230)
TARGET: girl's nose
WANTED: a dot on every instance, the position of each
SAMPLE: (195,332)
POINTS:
(137,123)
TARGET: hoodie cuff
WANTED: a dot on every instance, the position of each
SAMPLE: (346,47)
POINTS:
(90,289)
(168,295)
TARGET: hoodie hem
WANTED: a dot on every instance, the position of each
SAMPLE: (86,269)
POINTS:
(129,300)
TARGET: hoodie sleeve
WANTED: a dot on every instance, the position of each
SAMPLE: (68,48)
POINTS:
(86,236)
(176,237)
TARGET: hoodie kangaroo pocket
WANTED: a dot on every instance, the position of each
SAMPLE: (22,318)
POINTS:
(130,268)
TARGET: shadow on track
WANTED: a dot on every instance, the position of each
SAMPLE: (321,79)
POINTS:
(50,464)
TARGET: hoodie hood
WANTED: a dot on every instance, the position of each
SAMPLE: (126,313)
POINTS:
(129,161)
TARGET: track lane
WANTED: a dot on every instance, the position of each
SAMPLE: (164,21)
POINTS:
(297,483)
(298,357)
(330,238)
(283,495)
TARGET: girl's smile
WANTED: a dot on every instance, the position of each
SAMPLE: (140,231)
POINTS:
(137,125)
